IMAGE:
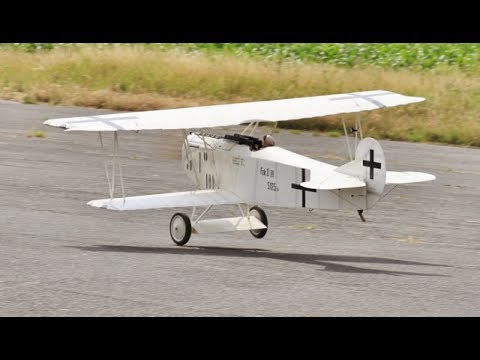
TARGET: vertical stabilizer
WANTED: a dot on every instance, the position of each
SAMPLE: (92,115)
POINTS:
(368,166)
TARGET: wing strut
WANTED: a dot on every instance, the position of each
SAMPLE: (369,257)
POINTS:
(346,138)
(357,129)
(274,127)
(246,129)
(255,125)
(114,163)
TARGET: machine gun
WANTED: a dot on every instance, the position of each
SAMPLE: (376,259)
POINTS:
(253,142)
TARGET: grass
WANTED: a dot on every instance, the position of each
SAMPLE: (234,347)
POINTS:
(387,56)
(139,77)
(28,100)
(334,133)
(35,133)
(294,132)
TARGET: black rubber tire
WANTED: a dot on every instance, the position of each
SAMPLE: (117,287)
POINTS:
(263,218)
(184,237)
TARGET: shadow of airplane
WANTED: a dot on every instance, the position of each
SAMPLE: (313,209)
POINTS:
(328,261)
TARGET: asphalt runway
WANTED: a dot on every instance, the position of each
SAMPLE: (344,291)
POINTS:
(417,254)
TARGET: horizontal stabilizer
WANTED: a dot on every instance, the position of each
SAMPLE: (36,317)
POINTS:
(169,200)
(334,182)
(407,177)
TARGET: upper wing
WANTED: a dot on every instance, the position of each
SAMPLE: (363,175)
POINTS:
(179,199)
(237,114)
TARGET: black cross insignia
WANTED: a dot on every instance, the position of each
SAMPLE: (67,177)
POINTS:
(108,122)
(365,97)
(372,164)
(303,189)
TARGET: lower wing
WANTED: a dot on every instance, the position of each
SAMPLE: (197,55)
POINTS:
(169,200)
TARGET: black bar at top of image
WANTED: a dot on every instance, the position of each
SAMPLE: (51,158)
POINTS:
(244,22)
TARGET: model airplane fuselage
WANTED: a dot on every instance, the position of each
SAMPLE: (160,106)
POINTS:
(270,176)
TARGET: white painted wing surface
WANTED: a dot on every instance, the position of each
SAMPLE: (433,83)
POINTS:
(236,114)
(169,200)
(407,177)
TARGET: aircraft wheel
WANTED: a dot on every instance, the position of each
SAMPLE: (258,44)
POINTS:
(260,215)
(180,229)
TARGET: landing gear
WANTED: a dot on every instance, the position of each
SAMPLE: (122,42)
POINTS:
(260,215)
(180,229)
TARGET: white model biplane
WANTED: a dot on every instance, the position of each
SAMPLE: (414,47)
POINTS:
(243,170)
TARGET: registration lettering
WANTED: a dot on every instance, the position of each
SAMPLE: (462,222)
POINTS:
(272,186)
(267,172)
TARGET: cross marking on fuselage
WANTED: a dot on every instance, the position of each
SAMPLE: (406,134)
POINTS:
(371,163)
(303,189)
(105,121)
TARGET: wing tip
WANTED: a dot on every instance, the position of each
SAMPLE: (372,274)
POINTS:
(408,177)
(98,204)
(52,122)
(418,98)
(430,177)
